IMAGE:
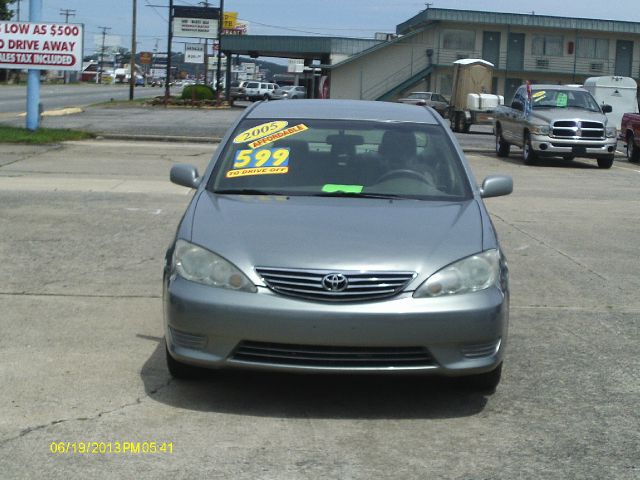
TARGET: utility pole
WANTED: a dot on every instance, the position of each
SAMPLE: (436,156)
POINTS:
(99,72)
(206,50)
(67,13)
(167,87)
(132,63)
(219,67)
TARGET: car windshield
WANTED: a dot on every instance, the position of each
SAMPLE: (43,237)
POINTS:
(340,158)
(421,96)
(563,99)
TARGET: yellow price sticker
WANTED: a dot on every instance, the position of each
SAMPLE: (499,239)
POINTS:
(259,131)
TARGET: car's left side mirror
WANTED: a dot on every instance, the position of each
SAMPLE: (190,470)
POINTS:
(185,174)
(496,186)
(607,108)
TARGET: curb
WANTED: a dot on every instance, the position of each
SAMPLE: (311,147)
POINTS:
(158,138)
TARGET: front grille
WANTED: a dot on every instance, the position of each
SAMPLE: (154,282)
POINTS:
(578,130)
(359,285)
(332,356)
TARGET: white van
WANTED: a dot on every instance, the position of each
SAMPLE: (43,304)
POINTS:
(619,92)
(259,90)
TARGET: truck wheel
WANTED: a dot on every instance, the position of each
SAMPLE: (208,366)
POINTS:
(633,152)
(502,147)
(528,155)
(605,162)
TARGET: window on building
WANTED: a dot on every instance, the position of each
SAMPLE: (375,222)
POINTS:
(550,45)
(446,82)
(592,48)
(458,39)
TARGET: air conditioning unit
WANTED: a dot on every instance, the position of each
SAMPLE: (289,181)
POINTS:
(542,63)
(596,67)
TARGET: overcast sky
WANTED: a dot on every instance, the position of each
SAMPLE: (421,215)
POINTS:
(347,18)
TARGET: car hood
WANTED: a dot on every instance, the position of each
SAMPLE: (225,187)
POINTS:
(336,233)
(553,115)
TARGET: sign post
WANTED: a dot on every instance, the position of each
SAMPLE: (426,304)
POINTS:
(33,76)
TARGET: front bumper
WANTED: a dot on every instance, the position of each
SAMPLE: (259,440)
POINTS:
(544,145)
(210,327)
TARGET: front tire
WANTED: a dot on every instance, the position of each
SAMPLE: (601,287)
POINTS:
(605,162)
(633,152)
(528,155)
(485,382)
(502,147)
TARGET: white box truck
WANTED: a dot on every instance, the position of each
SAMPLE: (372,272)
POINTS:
(619,92)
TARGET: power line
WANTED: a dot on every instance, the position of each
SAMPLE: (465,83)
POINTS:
(67,13)
(104,34)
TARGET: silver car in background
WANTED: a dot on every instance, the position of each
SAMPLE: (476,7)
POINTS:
(337,236)
(289,92)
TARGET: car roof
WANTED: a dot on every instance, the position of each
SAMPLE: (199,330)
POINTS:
(343,110)
(555,87)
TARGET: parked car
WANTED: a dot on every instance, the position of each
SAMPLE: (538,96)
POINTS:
(259,90)
(289,92)
(237,90)
(427,99)
(337,236)
(630,133)
(556,121)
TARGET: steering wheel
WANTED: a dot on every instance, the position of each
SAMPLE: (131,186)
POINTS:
(404,173)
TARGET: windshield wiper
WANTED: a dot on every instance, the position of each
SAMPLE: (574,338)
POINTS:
(245,191)
(359,195)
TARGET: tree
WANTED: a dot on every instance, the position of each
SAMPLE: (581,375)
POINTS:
(5,13)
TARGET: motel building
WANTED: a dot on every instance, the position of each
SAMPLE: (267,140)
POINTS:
(539,48)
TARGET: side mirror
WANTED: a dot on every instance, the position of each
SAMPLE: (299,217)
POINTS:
(517,105)
(607,108)
(185,174)
(496,186)
(421,103)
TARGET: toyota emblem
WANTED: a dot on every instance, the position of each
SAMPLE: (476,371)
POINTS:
(335,282)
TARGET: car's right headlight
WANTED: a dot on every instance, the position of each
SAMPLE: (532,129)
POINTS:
(471,274)
(540,129)
(199,265)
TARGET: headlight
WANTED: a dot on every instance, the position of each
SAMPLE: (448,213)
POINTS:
(612,132)
(540,129)
(199,265)
(471,274)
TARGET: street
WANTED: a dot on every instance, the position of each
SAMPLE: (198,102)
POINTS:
(84,230)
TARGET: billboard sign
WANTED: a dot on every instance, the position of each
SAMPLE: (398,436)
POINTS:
(195,22)
(41,46)
(193,53)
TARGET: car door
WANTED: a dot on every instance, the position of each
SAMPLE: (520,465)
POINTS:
(513,120)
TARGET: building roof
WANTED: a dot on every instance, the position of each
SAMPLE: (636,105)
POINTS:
(431,15)
(289,46)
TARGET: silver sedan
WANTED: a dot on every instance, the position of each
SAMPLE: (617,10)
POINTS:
(337,236)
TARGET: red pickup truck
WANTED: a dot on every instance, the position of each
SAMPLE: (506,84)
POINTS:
(630,133)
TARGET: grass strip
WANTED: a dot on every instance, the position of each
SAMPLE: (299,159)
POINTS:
(40,136)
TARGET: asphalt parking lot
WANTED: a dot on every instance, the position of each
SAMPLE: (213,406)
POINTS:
(84,229)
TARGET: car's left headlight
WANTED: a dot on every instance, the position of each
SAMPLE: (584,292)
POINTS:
(540,129)
(199,265)
(611,132)
(471,274)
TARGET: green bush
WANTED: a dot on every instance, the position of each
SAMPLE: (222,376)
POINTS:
(202,92)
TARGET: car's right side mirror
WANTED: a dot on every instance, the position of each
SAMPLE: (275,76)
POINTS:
(185,174)
(607,108)
(496,186)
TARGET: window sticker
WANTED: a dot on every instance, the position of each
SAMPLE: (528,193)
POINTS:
(266,161)
(562,100)
(333,188)
(260,131)
(539,95)
(301,127)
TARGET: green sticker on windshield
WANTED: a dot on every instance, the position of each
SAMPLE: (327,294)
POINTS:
(562,100)
(333,188)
